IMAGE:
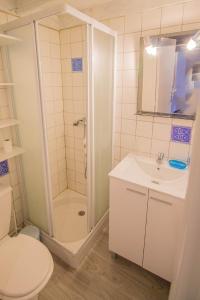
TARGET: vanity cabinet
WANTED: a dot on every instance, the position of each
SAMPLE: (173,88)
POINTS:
(128,207)
(144,226)
(163,219)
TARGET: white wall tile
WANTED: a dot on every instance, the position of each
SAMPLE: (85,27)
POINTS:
(119,78)
(133,22)
(172,15)
(191,26)
(151,19)
(159,146)
(130,95)
(65,36)
(117,139)
(178,151)
(161,131)
(171,29)
(131,60)
(144,129)
(74,91)
(117,24)
(129,111)
(127,141)
(191,12)
(130,78)
(143,145)
(76,34)
(128,127)
(120,61)
(132,42)
(120,43)
(77,49)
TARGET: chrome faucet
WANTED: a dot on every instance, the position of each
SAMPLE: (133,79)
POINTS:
(160,158)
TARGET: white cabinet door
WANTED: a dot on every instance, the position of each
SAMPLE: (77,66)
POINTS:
(162,229)
(128,208)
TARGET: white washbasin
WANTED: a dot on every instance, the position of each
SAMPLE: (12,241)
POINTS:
(159,172)
(144,171)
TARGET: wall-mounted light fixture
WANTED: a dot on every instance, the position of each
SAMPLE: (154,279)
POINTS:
(150,46)
(192,44)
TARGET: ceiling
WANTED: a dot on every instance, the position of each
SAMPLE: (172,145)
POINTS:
(80,4)
(25,6)
(138,4)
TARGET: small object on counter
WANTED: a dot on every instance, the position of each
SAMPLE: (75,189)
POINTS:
(178,164)
(7,145)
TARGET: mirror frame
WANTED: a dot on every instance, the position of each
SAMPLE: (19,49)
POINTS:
(140,80)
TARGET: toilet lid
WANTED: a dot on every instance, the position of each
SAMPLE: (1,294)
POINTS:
(24,265)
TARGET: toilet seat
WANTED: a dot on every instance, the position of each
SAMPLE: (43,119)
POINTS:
(25,267)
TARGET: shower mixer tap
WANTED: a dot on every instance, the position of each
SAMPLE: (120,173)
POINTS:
(82,121)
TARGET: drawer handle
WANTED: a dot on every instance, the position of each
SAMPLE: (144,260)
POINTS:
(162,201)
(134,191)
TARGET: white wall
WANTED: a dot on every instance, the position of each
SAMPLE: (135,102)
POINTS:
(13,178)
(143,134)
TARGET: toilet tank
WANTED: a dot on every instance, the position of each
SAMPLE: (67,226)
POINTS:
(5,209)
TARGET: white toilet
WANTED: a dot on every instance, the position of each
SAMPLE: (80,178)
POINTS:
(26,265)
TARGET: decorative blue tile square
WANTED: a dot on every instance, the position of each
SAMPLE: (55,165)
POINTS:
(181,134)
(4,168)
(77,64)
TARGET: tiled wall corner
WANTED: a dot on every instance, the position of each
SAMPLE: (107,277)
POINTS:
(65,102)
(73,45)
(50,52)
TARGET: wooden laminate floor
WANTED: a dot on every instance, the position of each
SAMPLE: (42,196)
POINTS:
(101,277)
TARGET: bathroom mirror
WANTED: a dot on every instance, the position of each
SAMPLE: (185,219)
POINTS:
(169,76)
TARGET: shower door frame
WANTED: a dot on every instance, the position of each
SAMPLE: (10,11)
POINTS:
(91,98)
(91,24)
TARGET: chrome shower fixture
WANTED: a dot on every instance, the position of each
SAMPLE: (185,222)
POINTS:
(82,121)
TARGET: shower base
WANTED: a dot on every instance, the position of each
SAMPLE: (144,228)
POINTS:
(71,241)
(70,217)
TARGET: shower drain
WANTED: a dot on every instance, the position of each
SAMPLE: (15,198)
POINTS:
(81,213)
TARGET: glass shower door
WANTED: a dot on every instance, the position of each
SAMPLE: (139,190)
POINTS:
(22,59)
(102,68)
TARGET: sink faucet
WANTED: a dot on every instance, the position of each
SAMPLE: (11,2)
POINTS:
(160,158)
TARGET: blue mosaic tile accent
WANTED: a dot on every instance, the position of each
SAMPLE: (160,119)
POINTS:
(181,134)
(77,64)
(4,170)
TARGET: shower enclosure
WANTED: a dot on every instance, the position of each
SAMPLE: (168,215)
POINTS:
(63,70)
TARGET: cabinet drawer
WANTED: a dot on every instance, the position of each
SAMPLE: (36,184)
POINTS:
(128,207)
(127,187)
